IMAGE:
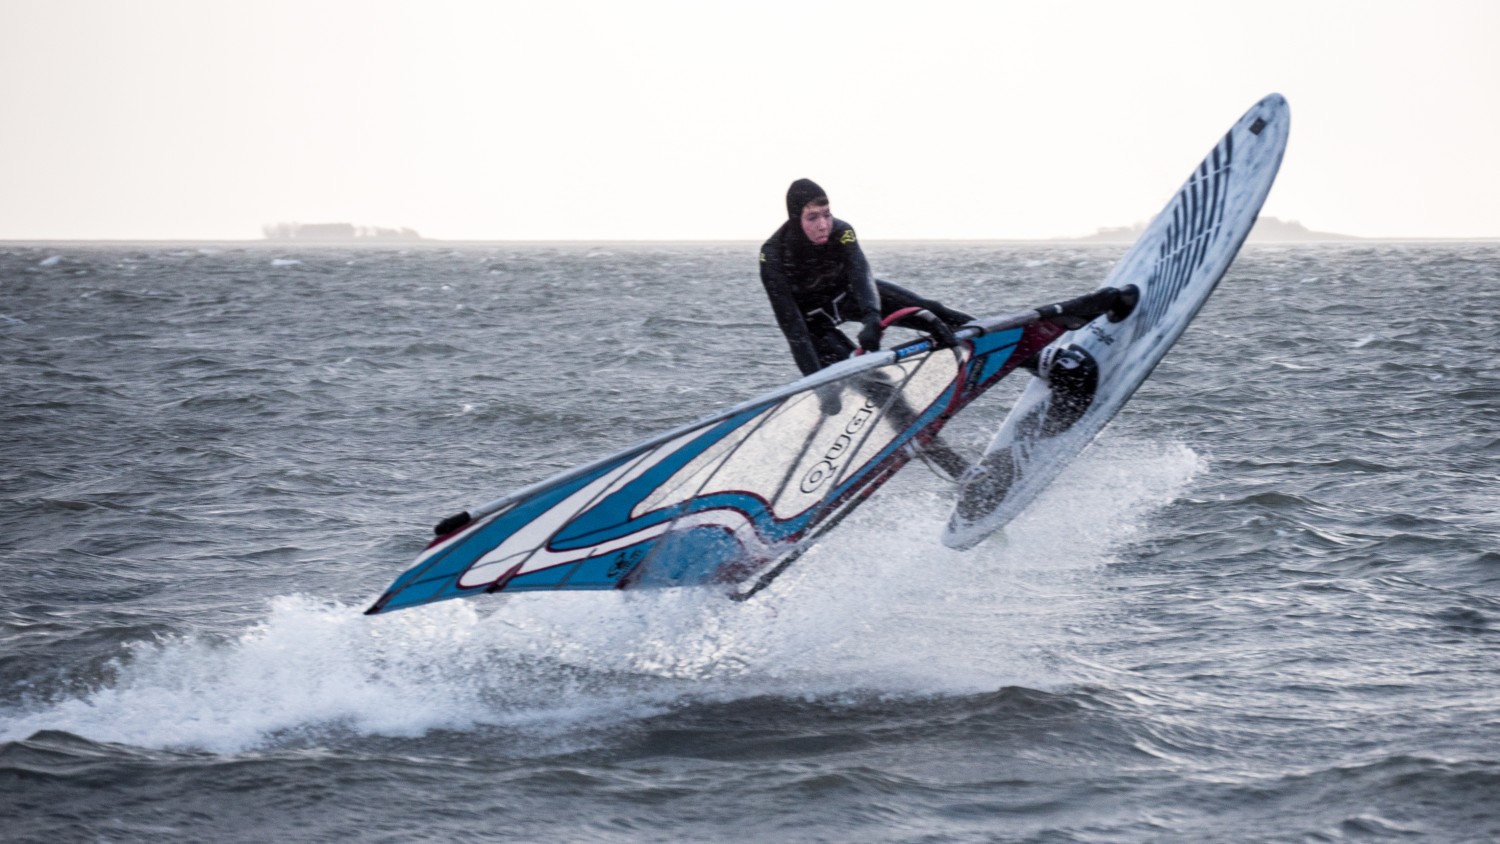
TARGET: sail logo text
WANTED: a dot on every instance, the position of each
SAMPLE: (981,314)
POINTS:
(838,450)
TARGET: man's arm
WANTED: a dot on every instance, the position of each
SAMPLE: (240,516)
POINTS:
(788,315)
(857,269)
(861,282)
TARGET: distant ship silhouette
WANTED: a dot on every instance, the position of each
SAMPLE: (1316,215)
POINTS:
(335,232)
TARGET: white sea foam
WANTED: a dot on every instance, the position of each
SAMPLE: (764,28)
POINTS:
(1104,498)
(881,607)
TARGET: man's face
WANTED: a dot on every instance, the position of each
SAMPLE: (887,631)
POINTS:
(817,222)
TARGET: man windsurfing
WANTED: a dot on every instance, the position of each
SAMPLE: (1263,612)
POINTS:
(817,278)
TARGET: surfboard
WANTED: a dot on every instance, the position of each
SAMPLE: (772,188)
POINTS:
(1176,264)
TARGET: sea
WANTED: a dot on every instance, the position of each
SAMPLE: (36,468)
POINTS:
(1264,606)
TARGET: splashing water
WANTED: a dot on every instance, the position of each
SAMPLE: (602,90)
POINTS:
(879,607)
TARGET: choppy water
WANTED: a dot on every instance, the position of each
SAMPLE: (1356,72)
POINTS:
(1263,607)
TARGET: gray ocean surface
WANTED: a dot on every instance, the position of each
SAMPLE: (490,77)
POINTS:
(1264,606)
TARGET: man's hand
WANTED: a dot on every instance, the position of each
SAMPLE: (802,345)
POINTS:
(942,335)
(869,336)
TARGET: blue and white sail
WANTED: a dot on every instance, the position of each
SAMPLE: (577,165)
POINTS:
(729,498)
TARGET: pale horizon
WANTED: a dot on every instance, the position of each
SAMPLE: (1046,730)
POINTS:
(678,122)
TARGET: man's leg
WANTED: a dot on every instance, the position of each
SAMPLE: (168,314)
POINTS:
(944,461)
(831,345)
(894,297)
(1115,302)
(942,458)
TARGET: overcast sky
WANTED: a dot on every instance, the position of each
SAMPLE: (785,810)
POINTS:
(155,119)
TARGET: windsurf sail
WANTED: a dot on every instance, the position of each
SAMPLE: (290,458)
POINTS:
(731,498)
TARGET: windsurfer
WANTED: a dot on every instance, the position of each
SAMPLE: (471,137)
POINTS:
(817,277)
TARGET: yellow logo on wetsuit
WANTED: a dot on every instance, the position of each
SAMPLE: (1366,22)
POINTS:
(762,257)
(847,237)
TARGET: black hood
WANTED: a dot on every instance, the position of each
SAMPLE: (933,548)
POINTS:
(799,194)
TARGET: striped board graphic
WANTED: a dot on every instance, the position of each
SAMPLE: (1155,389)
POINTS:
(1176,264)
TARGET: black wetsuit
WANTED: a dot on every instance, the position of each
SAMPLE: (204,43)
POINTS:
(815,288)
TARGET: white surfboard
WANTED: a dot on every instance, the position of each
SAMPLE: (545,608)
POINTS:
(1176,264)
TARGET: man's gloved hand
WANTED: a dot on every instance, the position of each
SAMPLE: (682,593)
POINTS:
(942,335)
(869,336)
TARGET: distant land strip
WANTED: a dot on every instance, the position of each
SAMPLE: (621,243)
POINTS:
(1267,229)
